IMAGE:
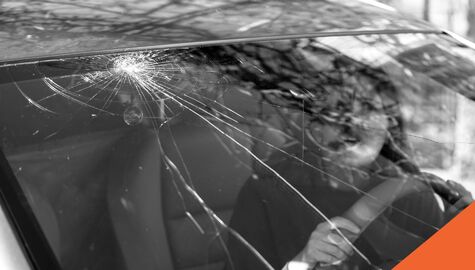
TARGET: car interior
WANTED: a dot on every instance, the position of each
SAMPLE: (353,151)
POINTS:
(116,187)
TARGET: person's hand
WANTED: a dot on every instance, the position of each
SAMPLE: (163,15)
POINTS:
(453,192)
(326,246)
(465,195)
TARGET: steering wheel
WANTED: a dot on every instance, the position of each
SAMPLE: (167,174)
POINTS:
(366,210)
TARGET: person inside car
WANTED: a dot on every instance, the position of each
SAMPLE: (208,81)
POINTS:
(343,194)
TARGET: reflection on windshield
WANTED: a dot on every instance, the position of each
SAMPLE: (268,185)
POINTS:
(105,25)
(244,156)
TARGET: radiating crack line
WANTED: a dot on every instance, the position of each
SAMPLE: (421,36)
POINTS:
(282,179)
(322,171)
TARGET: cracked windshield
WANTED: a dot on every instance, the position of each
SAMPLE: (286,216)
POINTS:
(339,152)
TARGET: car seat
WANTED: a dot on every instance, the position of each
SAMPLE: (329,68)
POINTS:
(159,225)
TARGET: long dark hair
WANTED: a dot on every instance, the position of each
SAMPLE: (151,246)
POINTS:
(298,85)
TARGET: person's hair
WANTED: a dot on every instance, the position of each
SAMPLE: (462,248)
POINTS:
(292,85)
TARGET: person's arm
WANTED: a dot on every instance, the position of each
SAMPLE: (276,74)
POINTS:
(250,220)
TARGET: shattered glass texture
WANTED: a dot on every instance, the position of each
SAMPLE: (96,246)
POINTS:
(32,28)
(144,160)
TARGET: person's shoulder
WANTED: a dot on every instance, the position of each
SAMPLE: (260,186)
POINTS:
(265,186)
(260,183)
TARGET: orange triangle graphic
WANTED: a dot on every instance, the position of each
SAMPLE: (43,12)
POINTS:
(452,247)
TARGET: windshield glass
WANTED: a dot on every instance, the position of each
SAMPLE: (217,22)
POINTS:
(244,156)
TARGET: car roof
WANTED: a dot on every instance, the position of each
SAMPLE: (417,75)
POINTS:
(32,29)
